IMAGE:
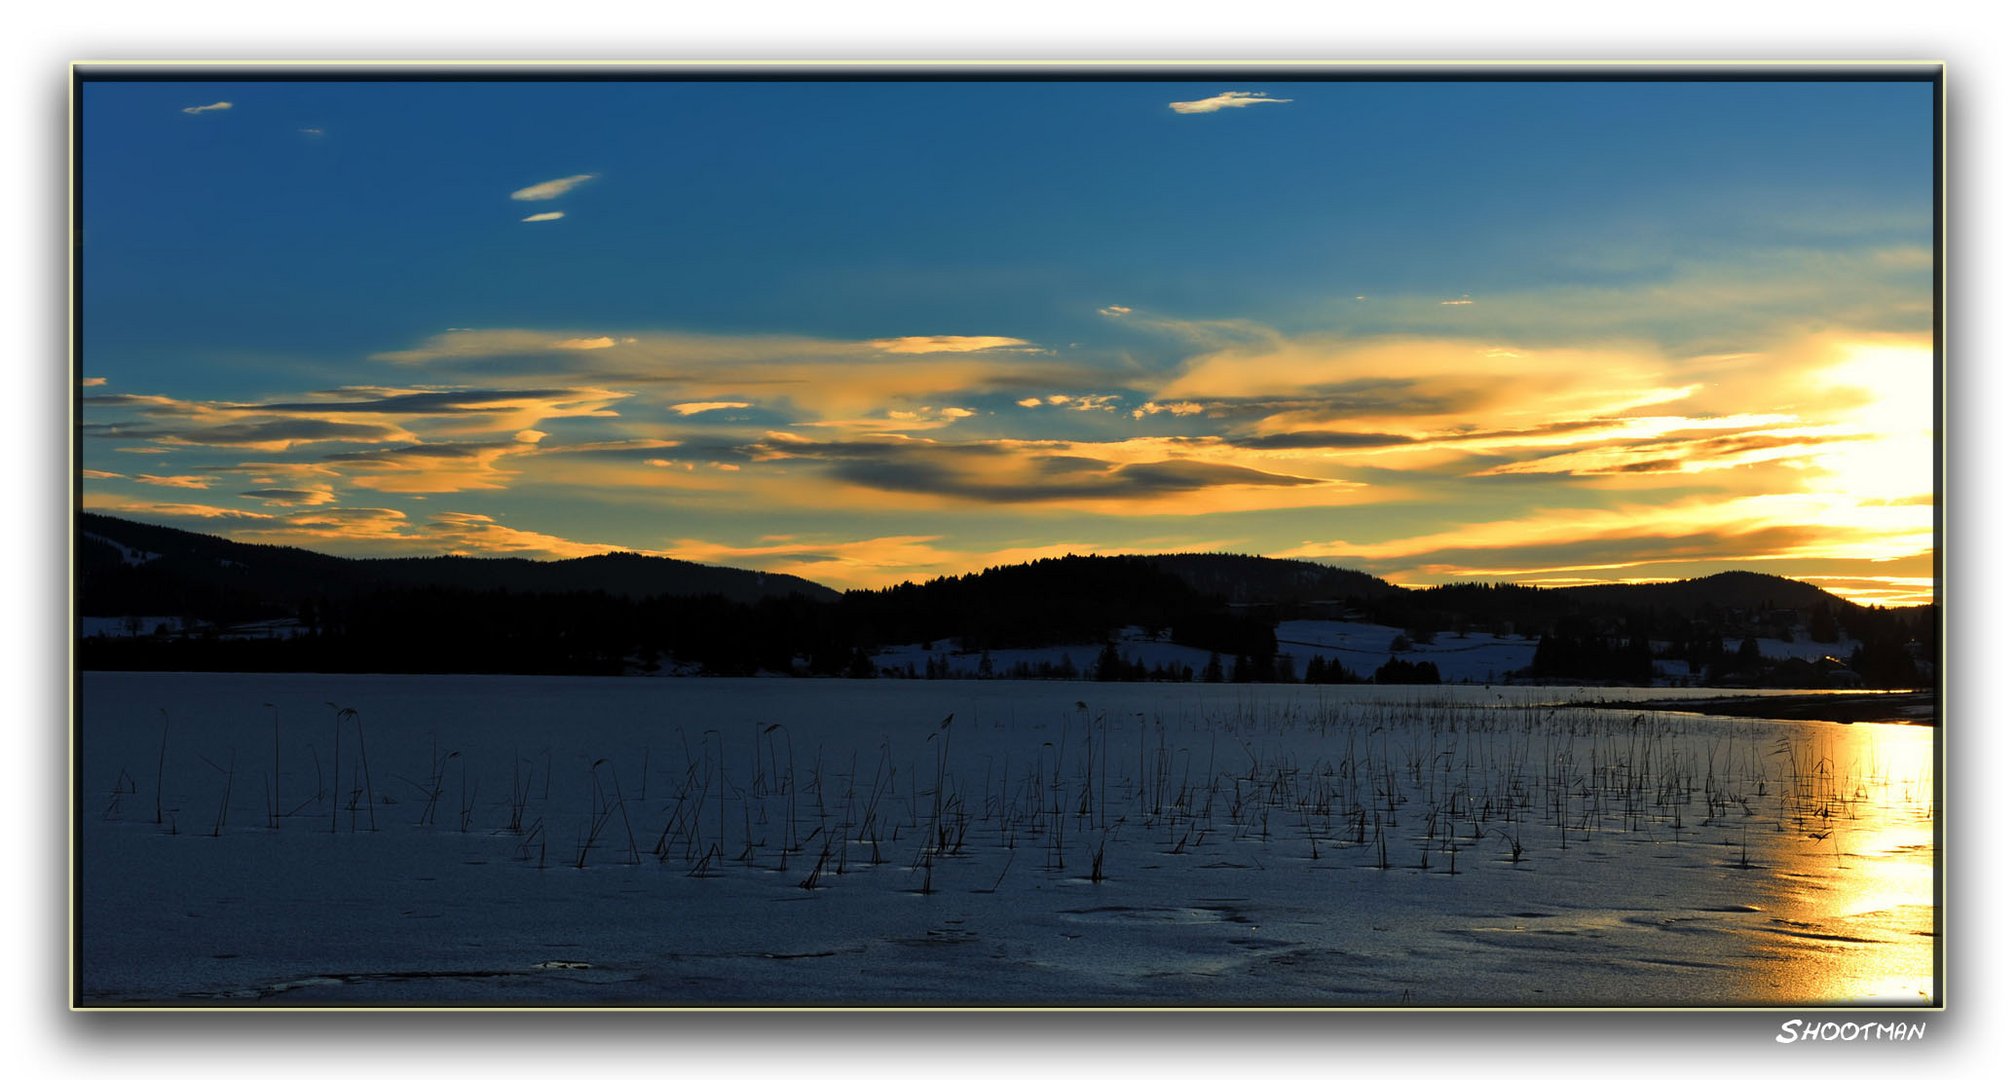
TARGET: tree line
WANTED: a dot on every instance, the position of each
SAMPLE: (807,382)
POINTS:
(1603,634)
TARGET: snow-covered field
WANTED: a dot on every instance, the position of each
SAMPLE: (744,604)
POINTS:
(484,840)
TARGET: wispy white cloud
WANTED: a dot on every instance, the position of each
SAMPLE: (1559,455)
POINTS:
(934,343)
(311,131)
(550,215)
(1230,99)
(1459,301)
(551,189)
(463,342)
(1114,311)
(215,106)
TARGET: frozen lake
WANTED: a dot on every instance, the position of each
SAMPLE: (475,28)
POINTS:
(385,840)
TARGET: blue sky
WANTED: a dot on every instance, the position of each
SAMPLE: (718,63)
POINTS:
(868,331)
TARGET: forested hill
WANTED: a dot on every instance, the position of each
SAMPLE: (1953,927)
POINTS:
(1252,579)
(1731,589)
(1667,608)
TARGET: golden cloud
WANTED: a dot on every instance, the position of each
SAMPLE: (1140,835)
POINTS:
(431,468)
(381,530)
(121,505)
(480,534)
(1426,385)
(1744,528)
(820,379)
(863,563)
(880,561)
(195,482)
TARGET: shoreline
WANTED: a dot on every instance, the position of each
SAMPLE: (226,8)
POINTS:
(1892,706)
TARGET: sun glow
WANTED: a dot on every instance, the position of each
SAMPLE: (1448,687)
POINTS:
(1895,461)
(1878,480)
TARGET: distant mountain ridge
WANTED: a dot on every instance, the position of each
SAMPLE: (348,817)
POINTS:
(159,598)
(189,563)
(130,567)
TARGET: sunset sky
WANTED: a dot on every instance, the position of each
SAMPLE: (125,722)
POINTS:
(863,332)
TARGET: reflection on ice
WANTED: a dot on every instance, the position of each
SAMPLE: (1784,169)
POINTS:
(1856,853)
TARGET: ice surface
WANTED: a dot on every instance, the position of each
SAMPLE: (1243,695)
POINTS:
(935,843)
